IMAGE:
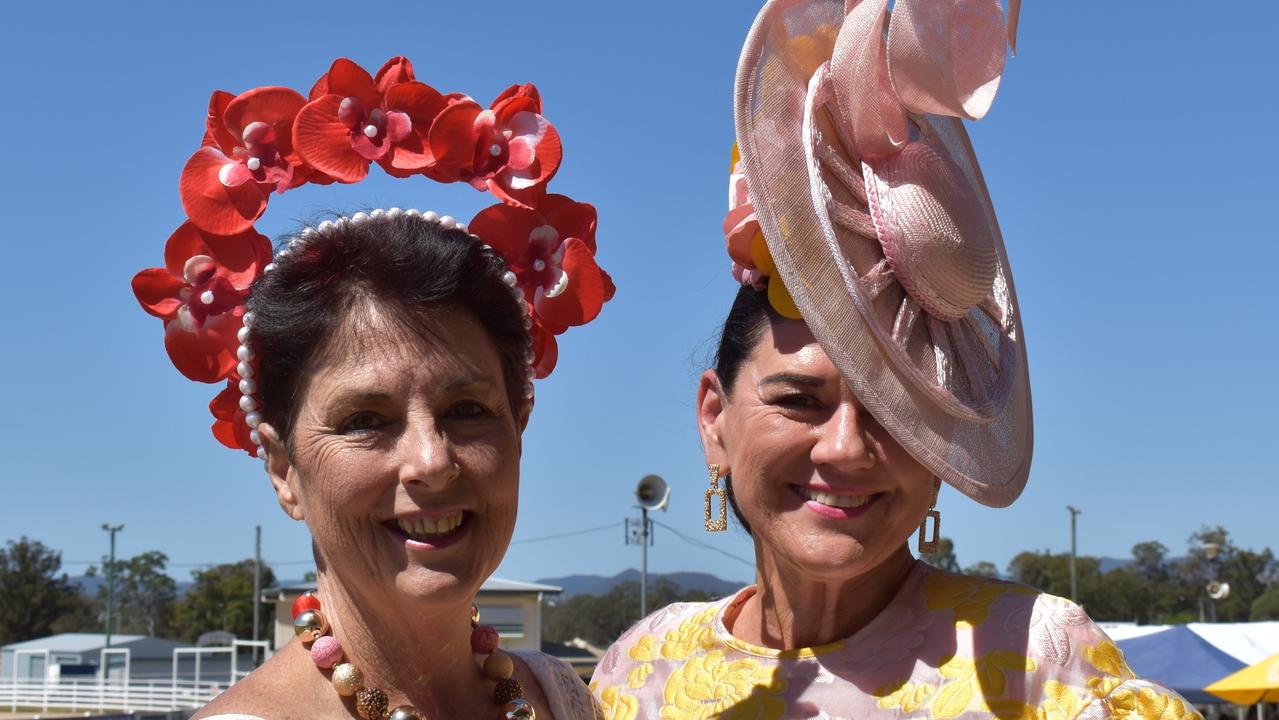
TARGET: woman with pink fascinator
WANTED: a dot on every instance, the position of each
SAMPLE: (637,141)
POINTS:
(874,351)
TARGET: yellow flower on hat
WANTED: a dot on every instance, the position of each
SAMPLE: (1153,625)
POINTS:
(752,262)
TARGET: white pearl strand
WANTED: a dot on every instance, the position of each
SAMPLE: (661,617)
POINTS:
(249,386)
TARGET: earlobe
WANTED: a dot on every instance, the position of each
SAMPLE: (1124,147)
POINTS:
(710,420)
(280,470)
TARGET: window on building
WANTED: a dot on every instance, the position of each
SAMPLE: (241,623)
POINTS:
(507,620)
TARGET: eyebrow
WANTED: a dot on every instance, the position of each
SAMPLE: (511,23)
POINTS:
(787,378)
(469,382)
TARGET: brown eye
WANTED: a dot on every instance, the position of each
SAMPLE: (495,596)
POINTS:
(797,401)
(470,410)
(361,422)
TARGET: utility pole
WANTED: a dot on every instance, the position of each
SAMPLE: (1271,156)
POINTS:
(257,583)
(652,493)
(1074,587)
(643,561)
(112,529)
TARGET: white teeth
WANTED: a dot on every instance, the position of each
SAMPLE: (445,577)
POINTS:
(424,527)
(833,500)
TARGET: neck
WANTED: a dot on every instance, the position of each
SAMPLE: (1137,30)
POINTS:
(792,608)
(417,656)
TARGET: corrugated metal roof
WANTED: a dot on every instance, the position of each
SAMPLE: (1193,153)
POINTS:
(73,642)
(493,585)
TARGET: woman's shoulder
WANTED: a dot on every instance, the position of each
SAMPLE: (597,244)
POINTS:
(1075,664)
(677,624)
(565,692)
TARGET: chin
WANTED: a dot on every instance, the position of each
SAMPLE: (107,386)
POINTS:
(438,587)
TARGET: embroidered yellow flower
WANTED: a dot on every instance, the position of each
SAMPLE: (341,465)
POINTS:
(694,634)
(1108,658)
(642,653)
(617,706)
(984,679)
(709,686)
(905,695)
(1130,702)
(990,669)
(1059,702)
(969,597)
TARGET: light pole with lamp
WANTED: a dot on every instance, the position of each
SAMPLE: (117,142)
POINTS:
(1074,588)
(653,493)
(112,529)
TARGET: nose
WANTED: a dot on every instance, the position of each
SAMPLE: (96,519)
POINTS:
(426,455)
(843,442)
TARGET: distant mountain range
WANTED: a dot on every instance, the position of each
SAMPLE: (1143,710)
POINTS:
(600,585)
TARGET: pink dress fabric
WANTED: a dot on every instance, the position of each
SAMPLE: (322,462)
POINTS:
(947,646)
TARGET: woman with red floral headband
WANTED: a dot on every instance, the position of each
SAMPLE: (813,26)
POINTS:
(381,365)
(874,351)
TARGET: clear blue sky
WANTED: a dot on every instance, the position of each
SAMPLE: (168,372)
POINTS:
(1130,154)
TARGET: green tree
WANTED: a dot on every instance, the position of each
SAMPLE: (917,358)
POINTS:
(1116,595)
(145,595)
(1214,556)
(222,599)
(33,594)
(1266,606)
(1150,561)
(601,619)
(985,568)
(944,558)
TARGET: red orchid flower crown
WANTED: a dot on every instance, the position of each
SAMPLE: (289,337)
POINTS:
(272,140)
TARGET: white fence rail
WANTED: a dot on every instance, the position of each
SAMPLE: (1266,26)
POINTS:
(79,696)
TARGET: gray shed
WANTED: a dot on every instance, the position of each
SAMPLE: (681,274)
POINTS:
(149,658)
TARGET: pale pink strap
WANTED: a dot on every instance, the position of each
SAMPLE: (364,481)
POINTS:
(941,57)
(864,98)
(945,56)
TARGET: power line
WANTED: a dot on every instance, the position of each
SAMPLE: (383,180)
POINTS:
(705,545)
(277,563)
(567,534)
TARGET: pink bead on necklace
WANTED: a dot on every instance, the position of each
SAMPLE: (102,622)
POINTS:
(312,627)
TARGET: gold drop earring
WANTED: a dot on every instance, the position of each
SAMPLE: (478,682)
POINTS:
(931,544)
(721,524)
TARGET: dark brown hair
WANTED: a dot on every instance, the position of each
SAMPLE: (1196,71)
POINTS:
(408,264)
(743,327)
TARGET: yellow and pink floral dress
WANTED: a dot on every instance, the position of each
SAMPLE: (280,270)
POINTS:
(947,646)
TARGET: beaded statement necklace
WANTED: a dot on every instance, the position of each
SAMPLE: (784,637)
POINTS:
(313,628)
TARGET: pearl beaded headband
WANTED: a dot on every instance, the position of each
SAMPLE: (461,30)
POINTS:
(272,139)
(248,385)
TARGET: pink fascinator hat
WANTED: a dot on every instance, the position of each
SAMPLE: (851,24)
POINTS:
(863,185)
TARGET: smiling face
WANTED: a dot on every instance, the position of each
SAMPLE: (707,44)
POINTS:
(404,457)
(825,489)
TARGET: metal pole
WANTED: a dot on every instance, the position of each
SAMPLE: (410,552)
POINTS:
(643,562)
(112,529)
(257,582)
(1074,586)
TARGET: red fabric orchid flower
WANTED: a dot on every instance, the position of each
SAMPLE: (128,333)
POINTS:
(200,295)
(509,149)
(546,351)
(551,250)
(353,119)
(229,425)
(246,155)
